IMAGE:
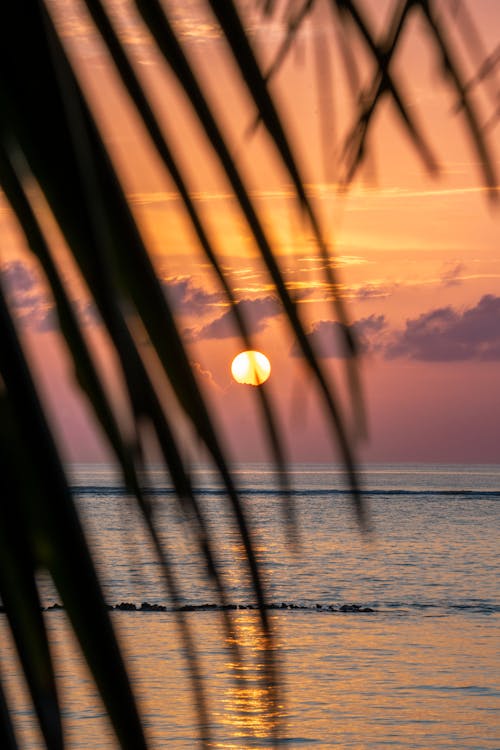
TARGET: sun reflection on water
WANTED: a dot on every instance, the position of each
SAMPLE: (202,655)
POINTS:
(251,712)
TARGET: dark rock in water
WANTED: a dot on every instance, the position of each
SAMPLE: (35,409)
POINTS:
(355,608)
(55,606)
(147,607)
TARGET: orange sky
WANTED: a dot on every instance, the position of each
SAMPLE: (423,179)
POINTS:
(417,257)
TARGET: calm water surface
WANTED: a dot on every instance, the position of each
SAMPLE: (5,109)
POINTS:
(421,671)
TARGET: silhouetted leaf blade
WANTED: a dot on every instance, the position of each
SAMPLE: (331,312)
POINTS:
(451,70)
(7,736)
(383,83)
(18,590)
(59,543)
(136,93)
(168,44)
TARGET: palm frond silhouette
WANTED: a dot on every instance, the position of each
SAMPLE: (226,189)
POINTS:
(51,137)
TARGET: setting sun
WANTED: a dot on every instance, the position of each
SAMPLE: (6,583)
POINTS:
(251,368)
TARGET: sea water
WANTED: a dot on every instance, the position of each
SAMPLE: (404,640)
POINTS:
(421,670)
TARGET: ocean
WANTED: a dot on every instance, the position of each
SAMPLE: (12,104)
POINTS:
(387,639)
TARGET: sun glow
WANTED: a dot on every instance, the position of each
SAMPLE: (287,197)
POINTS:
(251,368)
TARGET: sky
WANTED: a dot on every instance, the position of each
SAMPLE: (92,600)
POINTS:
(416,255)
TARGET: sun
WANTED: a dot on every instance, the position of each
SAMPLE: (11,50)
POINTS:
(251,368)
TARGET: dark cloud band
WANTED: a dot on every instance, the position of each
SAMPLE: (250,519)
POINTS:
(447,335)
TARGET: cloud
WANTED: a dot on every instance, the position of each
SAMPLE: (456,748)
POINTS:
(18,279)
(206,376)
(371,291)
(366,327)
(447,335)
(188,299)
(452,274)
(32,306)
(327,337)
(32,303)
(256,313)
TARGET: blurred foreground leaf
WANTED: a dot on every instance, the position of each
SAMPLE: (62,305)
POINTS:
(50,137)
